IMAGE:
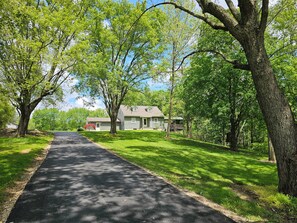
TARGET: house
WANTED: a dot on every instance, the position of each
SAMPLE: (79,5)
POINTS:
(132,117)
(140,117)
(102,124)
(176,124)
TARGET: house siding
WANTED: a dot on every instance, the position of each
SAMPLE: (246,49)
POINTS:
(105,126)
(131,125)
(157,125)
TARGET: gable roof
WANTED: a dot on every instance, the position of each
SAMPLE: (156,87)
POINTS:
(95,119)
(141,111)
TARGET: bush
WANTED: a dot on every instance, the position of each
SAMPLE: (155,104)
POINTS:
(90,127)
(80,129)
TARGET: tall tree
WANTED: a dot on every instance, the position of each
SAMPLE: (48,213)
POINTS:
(121,52)
(213,91)
(247,24)
(39,45)
(179,33)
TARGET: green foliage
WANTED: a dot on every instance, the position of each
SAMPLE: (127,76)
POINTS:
(122,50)
(6,112)
(40,41)
(157,98)
(53,119)
(232,179)
(16,155)
(281,42)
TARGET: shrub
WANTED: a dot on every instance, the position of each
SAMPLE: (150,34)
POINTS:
(90,127)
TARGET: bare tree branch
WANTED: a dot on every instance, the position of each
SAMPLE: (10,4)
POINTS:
(233,9)
(201,17)
(236,64)
(220,13)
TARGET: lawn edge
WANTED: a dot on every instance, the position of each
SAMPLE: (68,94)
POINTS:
(230,214)
(16,190)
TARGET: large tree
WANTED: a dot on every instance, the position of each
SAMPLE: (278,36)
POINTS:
(121,53)
(214,91)
(247,23)
(39,46)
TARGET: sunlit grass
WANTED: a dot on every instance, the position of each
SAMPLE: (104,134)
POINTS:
(17,154)
(207,169)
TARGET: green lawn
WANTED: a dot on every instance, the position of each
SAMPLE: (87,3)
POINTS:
(239,181)
(17,154)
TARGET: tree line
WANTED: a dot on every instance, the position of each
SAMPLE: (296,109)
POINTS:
(54,119)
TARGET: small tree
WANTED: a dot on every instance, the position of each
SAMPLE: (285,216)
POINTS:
(90,126)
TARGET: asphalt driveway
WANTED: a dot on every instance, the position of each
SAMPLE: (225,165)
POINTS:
(79,182)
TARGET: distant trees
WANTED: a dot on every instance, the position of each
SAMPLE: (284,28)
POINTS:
(7,112)
(53,119)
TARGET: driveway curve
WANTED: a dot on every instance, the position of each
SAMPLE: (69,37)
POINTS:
(80,182)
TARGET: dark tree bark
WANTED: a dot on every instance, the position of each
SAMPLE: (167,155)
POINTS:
(24,122)
(248,25)
(113,110)
(25,110)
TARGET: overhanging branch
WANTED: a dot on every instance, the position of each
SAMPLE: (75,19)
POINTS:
(201,17)
(236,64)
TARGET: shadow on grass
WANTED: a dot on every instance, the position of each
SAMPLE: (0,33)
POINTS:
(17,154)
(207,172)
(81,183)
(105,137)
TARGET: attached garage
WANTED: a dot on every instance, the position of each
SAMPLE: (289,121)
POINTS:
(102,124)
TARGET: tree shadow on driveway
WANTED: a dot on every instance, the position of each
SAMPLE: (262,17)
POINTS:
(79,182)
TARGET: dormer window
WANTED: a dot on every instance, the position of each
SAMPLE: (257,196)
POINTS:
(133,109)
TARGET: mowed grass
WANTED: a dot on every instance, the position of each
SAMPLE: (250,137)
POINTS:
(239,181)
(16,155)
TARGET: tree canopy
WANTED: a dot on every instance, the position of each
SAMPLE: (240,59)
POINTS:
(121,53)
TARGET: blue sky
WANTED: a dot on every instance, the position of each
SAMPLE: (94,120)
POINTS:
(72,99)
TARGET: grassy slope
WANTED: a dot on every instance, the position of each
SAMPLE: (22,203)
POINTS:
(17,154)
(208,170)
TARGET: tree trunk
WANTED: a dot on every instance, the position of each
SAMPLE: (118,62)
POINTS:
(233,134)
(277,114)
(172,79)
(113,122)
(25,114)
(271,153)
(189,127)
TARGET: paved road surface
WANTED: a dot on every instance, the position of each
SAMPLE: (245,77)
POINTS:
(79,182)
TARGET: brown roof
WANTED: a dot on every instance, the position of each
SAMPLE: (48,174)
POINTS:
(141,111)
(95,119)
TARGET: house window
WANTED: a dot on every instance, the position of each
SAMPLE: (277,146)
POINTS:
(133,120)
(155,120)
(98,125)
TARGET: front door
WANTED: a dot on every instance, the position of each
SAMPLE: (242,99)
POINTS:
(144,122)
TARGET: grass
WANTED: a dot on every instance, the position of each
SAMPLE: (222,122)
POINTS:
(239,181)
(16,155)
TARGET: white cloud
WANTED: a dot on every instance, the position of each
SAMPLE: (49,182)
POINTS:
(73,100)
